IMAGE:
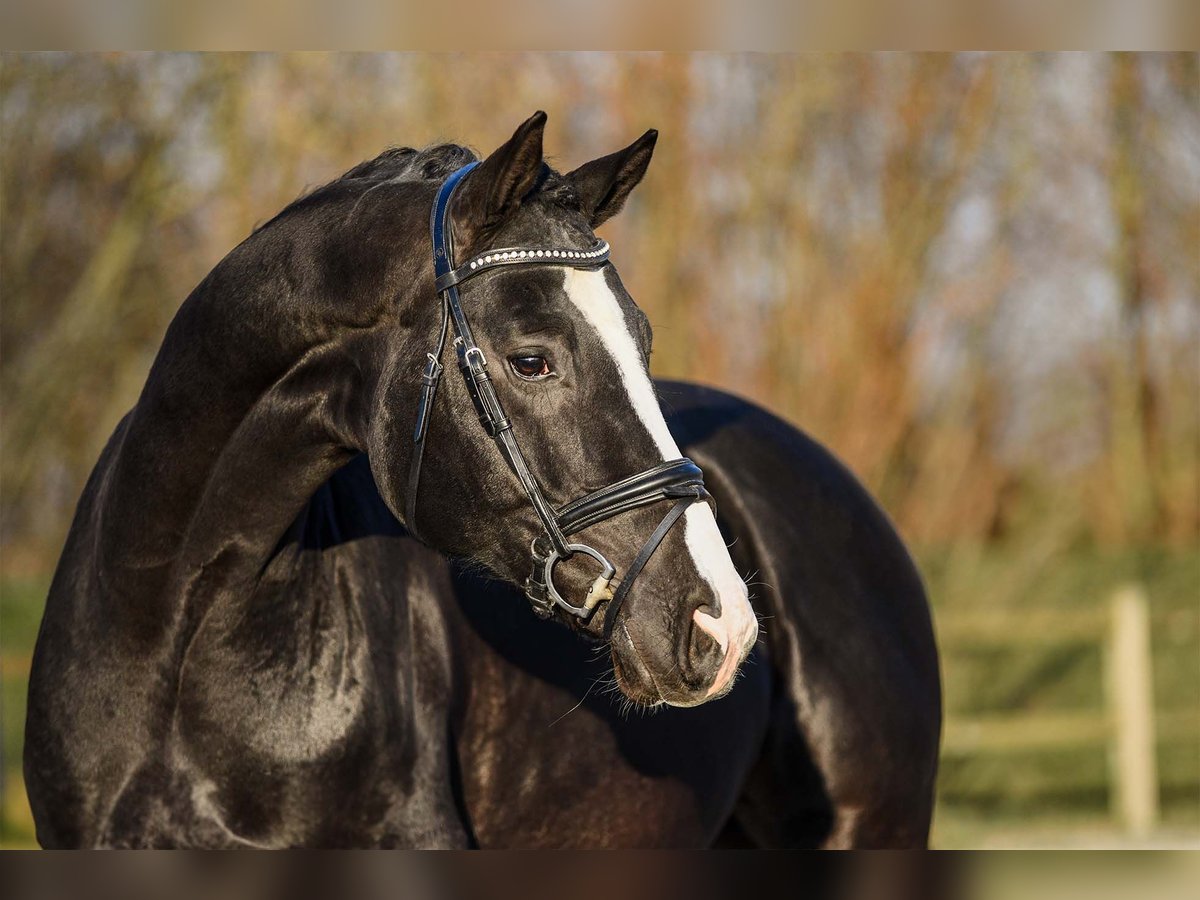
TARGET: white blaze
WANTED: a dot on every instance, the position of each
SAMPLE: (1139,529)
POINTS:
(737,628)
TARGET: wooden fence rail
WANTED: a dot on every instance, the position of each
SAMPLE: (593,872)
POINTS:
(1128,726)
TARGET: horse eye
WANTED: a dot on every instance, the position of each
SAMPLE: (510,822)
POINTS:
(530,366)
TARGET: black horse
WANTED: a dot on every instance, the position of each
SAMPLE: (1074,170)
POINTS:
(244,646)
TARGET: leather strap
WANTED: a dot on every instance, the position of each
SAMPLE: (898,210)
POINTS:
(430,378)
(638,490)
(432,373)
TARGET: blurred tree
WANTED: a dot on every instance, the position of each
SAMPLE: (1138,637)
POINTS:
(975,277)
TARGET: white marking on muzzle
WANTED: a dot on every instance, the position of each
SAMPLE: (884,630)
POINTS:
(736,629)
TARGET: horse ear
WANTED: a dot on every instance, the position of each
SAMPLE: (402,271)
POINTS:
(495,188)
(604,183)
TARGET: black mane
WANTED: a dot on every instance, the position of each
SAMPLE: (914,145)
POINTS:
(433,163)
(392,165)
(407,164)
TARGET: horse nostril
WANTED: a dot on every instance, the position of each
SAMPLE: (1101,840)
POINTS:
(704,655)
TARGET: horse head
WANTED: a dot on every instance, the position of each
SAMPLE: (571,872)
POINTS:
(557,345)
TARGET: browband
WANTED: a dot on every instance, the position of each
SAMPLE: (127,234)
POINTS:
(516,256)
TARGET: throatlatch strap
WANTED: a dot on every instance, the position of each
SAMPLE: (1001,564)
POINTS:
(430,378)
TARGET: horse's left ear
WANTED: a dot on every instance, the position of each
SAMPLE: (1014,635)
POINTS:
(604,183)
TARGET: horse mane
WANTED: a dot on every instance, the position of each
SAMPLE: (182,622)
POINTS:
(406,164)
(395,164)
(433,163)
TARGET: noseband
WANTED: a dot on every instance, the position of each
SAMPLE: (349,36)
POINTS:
(680,480)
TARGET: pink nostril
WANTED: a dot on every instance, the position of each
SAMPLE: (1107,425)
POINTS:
(726,660)
(705,652)
(716,628)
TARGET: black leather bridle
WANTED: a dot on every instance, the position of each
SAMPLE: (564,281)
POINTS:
(680,480)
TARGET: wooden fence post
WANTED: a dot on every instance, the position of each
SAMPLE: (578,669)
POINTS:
(1130,677)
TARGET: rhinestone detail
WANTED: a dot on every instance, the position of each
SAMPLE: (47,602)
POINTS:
(543,253)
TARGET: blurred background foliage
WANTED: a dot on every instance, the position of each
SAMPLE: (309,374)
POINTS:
(975,277)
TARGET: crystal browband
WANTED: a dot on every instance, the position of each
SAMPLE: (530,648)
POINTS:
(596,255)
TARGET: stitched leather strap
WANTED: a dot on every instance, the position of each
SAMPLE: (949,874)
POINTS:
(638,490)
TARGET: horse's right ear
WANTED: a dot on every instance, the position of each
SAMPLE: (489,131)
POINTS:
(495,188)
(604,183)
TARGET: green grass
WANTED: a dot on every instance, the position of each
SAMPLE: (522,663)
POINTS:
(21,604)
(20,614)
(1064,787)
(992,798)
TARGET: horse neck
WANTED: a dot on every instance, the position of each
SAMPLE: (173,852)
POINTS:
(252,403)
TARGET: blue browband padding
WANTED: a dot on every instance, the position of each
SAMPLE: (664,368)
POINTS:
(439,221)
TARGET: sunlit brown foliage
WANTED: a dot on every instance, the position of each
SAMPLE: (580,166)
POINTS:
(976,278)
